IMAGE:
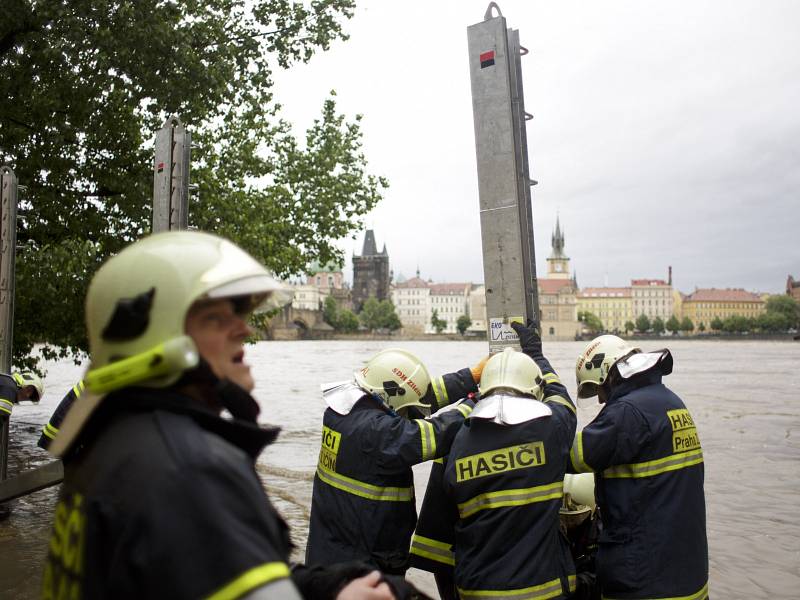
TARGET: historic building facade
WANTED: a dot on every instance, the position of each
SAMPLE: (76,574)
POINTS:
(705,305)
(612,305)
(558,294)
(653,298)
(371,274)
(412,304)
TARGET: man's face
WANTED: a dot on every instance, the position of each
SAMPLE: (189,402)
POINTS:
(219,333)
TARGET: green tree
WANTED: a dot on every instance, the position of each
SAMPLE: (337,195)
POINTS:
(629,326)
(463,323)
(736,324)
(387,317)
(701,327)
(786,306)
(673,324)
(658,326)
(590,321)
(643,323)
(330,312)
(347,321)
(687,325)
(717,324)
(437,323)
(370,315)
(86,85)
(772,322)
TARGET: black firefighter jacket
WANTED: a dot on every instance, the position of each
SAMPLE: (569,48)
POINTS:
(363,504)
(490,514)
(645,452)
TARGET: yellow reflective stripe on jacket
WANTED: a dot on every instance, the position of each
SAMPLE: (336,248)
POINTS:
(6,406)
(428,435)
(78,388)
(440,391)
(50,431)
(701,595)
(433,550)
(560,400)
(464,409)
(551,589)
(551,378)
(650,468)
(516,497)
(365,490)
(576,455)
(249,580)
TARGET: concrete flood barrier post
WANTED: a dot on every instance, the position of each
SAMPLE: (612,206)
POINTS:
(504,183)
(8,245)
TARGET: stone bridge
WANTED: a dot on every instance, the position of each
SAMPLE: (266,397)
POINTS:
(297,324)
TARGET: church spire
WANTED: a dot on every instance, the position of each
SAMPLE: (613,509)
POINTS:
(557,241)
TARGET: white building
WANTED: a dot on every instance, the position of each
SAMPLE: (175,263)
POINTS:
(652,297)
(477,308)
(411,301)
(450,301)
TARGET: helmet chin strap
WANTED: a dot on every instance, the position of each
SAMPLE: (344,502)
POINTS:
(226,394)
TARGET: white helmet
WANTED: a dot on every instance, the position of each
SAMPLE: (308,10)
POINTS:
(512,370)
(26,378)
(136,311)
(594,364)
(578,501)
(397,377)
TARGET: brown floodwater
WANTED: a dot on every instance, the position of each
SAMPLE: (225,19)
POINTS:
(744,396)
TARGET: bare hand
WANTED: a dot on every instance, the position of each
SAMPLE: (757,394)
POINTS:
(368,587)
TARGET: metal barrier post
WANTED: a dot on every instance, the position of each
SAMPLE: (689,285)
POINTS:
(509,263)
(8,245)
(171,176)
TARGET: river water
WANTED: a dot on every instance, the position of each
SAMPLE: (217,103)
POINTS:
(744,396)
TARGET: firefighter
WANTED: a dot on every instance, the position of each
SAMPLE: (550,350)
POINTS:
(19,387)
(160,496)
(50,429)
(374,430)
(490,518)
(645,452)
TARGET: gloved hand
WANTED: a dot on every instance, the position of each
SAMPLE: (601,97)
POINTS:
(529,338)
(477,370)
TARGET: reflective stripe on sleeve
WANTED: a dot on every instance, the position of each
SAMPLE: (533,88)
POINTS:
(551,589)
(78,388)
(6,406)
(433,549)
(428,435)
(464,409)
(440,391)
(50,431)
(249,580)
(516,497)
(655,467)
(576,455)
(700,595)
(365,490)
(560,400)
(551,378)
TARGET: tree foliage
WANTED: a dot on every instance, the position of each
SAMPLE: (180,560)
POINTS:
(437,323)
(658,326)
(687,325)
(717,324)
(786,306)
(463,323)
(591,321)
(85,87)
(643,323)
(673,324)
(379,315)
(629,326)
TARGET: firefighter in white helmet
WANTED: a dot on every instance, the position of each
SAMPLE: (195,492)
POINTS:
(18,387)
(644,450)
(160,496)
(376,427)
(489,523)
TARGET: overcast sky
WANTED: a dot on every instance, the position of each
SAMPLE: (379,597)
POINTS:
(665,133)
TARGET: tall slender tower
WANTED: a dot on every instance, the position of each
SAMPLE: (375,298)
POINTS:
(558,262)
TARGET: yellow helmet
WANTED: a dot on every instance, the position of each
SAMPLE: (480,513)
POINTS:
(594,364)
(26,378)
(512,370)
(397,377)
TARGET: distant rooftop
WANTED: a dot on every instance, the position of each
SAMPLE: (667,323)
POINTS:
(722,295)
(605,292)
(648,282)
